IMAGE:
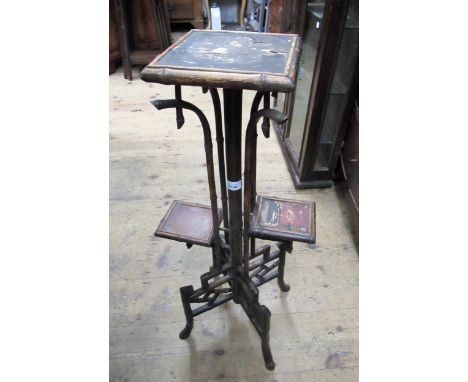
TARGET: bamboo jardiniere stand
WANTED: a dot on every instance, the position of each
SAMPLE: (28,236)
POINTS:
(234,61)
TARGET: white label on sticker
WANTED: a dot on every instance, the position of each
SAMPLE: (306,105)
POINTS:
(220,50)
(234,186)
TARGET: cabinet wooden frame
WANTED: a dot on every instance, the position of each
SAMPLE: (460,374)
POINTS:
(301,165)
(159,16)
(187,11)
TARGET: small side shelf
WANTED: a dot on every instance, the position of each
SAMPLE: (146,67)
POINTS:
(283,220)
(188,222)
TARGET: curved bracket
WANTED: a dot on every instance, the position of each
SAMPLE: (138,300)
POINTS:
(221,162)
(250,165)
(174,103)
(266,103)
(179,114)
(266,121)
(273,114)
(256,102)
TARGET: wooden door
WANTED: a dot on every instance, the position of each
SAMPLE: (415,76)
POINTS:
(114,43)
(143,25)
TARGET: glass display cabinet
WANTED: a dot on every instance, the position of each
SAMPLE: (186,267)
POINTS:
(320,108)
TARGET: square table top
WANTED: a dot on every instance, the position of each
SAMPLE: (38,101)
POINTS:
(229,59)
(188,222)
(283,219)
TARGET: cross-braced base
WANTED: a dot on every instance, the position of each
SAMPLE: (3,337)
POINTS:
(237,270)
(217,288)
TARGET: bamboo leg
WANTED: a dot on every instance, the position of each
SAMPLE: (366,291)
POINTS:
(233,142)
(265,325)
(185,293)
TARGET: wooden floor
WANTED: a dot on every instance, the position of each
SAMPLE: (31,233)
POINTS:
(314,327)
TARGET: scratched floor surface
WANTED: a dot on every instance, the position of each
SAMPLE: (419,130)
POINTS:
(314,327)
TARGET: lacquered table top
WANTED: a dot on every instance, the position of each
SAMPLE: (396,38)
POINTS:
(228,59)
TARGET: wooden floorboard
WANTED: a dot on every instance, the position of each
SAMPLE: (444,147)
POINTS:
(314,327)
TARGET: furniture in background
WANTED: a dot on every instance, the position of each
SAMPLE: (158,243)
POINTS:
(349,162)
(234,61)
(320,108)
(257,15)
(280,16)
(274,16)
(144,31)
(187,11)
(114,44)
(231,13)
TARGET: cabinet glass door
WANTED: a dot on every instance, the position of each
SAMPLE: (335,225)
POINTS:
(341,87)
(310,38)
(320,107)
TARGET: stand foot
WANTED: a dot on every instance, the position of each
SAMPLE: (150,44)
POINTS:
(185,332)
(267,356)
(269,363)
(185,293)
(283,286)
